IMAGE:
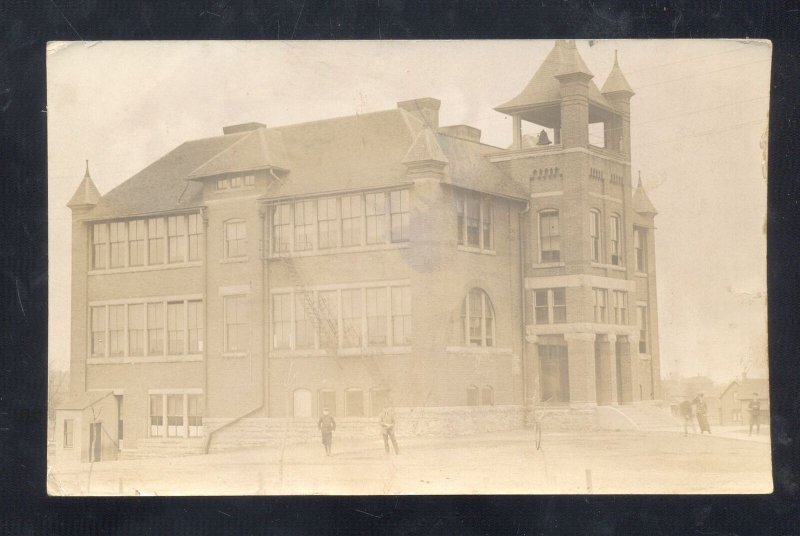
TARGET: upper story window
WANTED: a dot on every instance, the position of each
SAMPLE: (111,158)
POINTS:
(600,305)
(348,221)
(549,236)
(478,316)
(620,307)
(616,240)
(640,245)
(237,330)
(550,305)
(236,182)
(594,234)
(146,242)
(147,328)
(475,220)
(235,239)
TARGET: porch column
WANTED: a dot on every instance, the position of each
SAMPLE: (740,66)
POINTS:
(612,362)
(580,356)
(626,374)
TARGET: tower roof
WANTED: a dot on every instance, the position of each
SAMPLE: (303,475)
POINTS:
(87,194)
(642,203)
(545,88)
(616,82)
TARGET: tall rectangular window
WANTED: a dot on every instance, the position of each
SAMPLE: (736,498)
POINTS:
(549,236)
(400,215)
(117,235)
(136,329)
(174,415)
(616,240)
(541,306)
(303,225)
(176,234)
(329,318)
(99,245)
(600,305)
(156,415)
(155,328)
(351,318)
(473,205)
(156,239)
(237,332)
(327,223)
(194,316)
(376,316)
(116,330)
(237,181)
(351,220)
(376,217)
(550,306)
(487,217)
(137,231)
(401,316)
(235,239)
(620,307)
(195,237)
(303,319)
(194,410)
(69,433)
(642,329)
(99,331)
(559,305)
(594,234)
(281,228)
(176,327)
(282,320)
(640,243)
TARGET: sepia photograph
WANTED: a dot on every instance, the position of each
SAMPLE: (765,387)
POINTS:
(408,267)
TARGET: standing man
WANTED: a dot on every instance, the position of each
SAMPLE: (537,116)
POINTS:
(754,407)
(702,414)
(327,425)
(686,413)
(387,429)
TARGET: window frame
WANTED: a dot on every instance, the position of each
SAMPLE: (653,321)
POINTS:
(640,247)
(185,420)
(488,337)
(644,330)
(69,434)
(235,305)
(238,241)
(616,240)
(553,312)
(600,305)
(595,235)
(549,255)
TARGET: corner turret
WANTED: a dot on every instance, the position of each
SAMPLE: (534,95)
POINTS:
(87,195)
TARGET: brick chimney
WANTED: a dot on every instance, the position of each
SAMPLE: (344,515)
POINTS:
(425,109)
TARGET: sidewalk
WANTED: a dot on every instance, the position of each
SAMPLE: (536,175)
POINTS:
(731,432)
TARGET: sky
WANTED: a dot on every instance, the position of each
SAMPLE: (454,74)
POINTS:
(698,131)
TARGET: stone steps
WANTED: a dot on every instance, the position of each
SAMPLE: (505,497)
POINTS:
(156,447)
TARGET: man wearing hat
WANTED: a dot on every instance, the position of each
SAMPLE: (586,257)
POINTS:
(327,425)
(754,407)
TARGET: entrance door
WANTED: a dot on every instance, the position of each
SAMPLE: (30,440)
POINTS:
(95,441)
(302,404)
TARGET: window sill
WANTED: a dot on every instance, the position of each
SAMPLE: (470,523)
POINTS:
(642,274)
(609,266)
(149,268)
(542,265)
(231,260)
(338,250)
(472,249)
(233,355)
(123,360)
(478,350)
(343,352)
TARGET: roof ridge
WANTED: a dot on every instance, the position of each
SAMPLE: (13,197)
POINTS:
(226,149)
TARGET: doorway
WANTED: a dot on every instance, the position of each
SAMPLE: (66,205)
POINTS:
(95,441)
(302,404)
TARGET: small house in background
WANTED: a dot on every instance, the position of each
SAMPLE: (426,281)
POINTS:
(86,428)
(735,399)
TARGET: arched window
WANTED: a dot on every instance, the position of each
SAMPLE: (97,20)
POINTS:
(549,236)
(594,233)
(616,240)
(472,395)
(478,315)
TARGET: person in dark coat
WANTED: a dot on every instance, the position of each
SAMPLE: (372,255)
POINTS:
(387,429)
(754,407)
(686,413)
(702,413)
(327,424)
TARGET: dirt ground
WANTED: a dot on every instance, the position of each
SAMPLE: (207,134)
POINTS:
(498,463)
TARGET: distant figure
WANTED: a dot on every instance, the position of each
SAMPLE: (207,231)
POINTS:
(702,413)
(387,429)
(543,138)
(327,425)
(686,413)
(754,407)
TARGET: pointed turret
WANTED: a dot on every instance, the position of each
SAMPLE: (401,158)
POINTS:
(642,203)
(616,81)
(571,61)
(87,195)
